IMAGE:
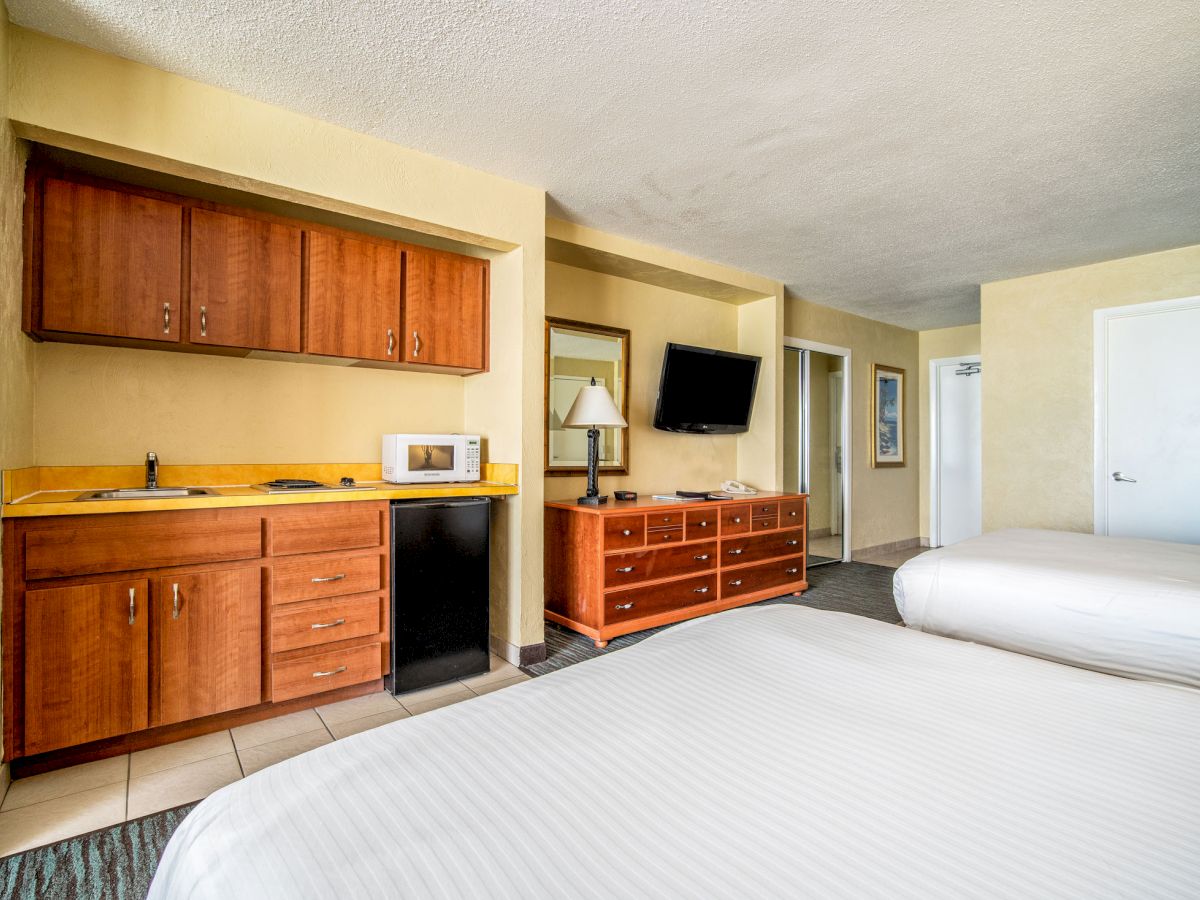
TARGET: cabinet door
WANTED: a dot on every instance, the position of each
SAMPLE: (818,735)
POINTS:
(353,304)
(110,263)
(85,663)
(208,643)
(245,282)
(445,309)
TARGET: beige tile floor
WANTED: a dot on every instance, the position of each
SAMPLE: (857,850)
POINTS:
(829,546)
(45,808)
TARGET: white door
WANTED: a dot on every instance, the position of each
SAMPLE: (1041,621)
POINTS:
(1148,421)
(957,478)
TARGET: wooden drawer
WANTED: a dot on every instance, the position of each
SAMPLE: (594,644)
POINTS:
(792,513)
(764,508)
(327,526)
(735,519)
(128,543)
(628,568)
(700,523)
(672,519)
(658,536)
(321,621)
(622,532)
(620,606)
(325,575)
(305,675)
(752,548)
(759,578)
(764,523)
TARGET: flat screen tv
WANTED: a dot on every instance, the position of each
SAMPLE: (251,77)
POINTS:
(705,391)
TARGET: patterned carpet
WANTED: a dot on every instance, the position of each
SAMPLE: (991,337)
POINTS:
(118,863)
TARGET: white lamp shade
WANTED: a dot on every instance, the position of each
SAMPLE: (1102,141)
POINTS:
(594,408)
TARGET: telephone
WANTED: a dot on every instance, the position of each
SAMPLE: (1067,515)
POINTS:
(736,487)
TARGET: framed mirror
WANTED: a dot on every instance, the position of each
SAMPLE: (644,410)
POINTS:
(577,352)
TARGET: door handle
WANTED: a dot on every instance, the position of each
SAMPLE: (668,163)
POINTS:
(1121,476)
(166,318)
(391,344)
(203,321)
(175,601)
(416,344)
(132,605)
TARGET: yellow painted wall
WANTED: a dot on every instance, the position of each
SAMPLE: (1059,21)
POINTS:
(938,343)
(884,503)
(1037,384)
(68,96)
(659,460)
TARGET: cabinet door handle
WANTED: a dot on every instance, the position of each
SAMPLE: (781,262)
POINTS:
(337,577)
(627,532)
(166,318)
(330,672)
(792,571)
(416,344)
(333,624)
(175,601)
(736,552)
(791,543)
(391,341)
(702,590)
(132,605)
(735,583)
(701,556)
(624,569)
(204,321)
(628,605)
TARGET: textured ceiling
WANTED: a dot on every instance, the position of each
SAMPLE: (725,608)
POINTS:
(880,156)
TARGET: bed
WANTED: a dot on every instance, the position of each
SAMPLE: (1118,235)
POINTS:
(763,752)
(1119,605)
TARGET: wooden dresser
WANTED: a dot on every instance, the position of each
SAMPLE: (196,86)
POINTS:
(626,566)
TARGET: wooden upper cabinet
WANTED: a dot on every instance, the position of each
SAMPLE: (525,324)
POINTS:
(445,309)
(111,263)
(208,643)
(353,306)
(245,282)
(85,663)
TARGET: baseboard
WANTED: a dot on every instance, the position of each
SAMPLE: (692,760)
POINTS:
(884,549)
(518,656)
(819,533)
(925,542)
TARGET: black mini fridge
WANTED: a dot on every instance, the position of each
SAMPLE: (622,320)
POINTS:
(440,590)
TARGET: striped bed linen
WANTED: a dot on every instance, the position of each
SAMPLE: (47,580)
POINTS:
(764,752)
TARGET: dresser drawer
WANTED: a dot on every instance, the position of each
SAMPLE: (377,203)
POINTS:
(735,582)
(735,519)
(622,532)
(316,622)
(764,508)
(326,526)
(305,675)
(792,513)
(671,519)
(620,606)
(764,523)
(752,548)
(325,575)
(700,523)
(656,537)
(629,568)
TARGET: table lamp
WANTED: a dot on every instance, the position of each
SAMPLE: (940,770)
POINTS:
(594,409)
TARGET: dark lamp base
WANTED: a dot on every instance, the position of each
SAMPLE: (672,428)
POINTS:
(593,501)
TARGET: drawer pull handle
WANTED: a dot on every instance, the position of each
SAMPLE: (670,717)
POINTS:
(736,552)
(330,672)
(391,344)
(337,577)
(333,624)
(628,605)
(132,605)
(791,543)
(737,520)
(792,514)
(624,569)
(735,583)
(667,536)
(701,556)
(666,518)
(704,524)
(175,601)
(626,532)
(203,321)
(792,571)
(166,318)
(702,590)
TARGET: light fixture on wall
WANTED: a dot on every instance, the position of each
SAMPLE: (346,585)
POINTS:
(594,409)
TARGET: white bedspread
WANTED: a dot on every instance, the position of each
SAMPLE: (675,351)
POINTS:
(763,752)
(1118,605)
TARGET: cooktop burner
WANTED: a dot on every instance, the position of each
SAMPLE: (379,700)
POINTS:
(304,486)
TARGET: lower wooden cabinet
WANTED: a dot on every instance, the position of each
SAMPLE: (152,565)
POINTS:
(208,643)
(86,672)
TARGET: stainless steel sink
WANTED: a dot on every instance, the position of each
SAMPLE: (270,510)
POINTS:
(160,493)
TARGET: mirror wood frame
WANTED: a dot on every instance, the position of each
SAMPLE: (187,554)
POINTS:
(623,400)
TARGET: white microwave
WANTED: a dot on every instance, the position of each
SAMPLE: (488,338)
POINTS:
(419,458)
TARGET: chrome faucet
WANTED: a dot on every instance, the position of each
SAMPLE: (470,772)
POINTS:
(151,471)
